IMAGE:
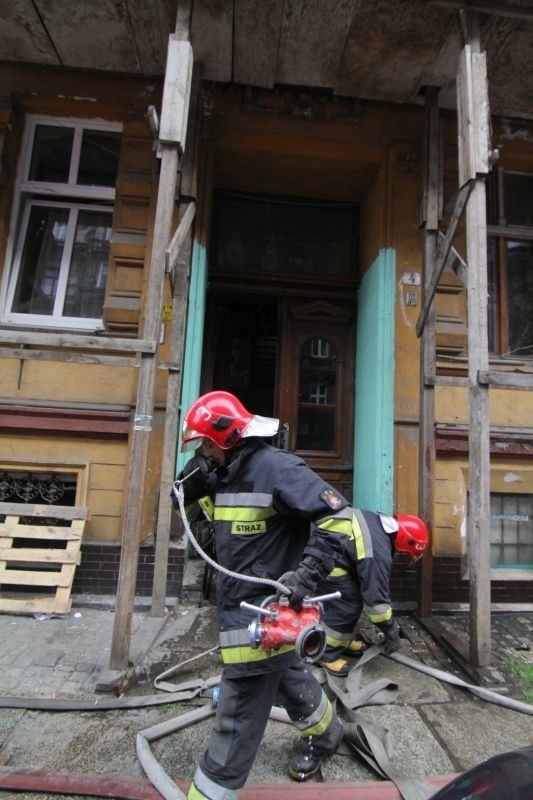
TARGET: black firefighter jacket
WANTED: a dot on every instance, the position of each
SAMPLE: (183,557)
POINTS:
(361,574)
(269,510)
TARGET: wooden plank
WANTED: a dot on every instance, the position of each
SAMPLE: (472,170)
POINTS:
(482,126)
(176,243)
(478,523)
(256,41)
(312,42)
(37,510)
(450,380)
(176,93)
(426,436)
(473,118)
(149,30)
(507,380)
(168,465)
(212,39)
(32,338)
(76,358)
(42,605)
(23,577)
(465,118)
(445,252)
(15,530)
(52,555)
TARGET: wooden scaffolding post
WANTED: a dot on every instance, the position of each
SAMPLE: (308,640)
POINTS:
(474,159)
(431,214)
(178,257)
(172,131)
(178,266)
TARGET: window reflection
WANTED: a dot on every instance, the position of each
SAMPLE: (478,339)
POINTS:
(317,395)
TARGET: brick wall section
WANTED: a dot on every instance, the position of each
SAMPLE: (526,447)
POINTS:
(449,587)
(98,571)
(98,574)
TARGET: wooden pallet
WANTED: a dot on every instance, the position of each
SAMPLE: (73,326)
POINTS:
(38,561)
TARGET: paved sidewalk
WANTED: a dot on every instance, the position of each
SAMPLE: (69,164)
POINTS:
(66,654)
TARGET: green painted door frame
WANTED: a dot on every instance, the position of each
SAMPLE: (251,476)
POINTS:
(192,362)
(374,387)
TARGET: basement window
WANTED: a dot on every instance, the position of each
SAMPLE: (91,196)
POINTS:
(63,215)
(510,263)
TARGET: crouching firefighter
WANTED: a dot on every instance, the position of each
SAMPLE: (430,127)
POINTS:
(271,513)
(371,542)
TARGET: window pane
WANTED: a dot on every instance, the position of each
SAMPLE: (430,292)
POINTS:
(283,235)
(52,150)
(492,286)
(317,396)
(99,158)
(41,261)
(519,257)
(88,268)
(518,199)
(511,531)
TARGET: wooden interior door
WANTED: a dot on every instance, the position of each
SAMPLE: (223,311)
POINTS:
(314,390)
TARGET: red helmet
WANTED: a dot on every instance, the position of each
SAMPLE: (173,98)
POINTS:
(412,537)
(222,418)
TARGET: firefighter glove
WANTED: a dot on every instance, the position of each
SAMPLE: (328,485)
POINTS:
(391,633)
(195,477)
(301,582)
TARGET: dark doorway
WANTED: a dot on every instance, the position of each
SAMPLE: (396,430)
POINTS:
(280,320)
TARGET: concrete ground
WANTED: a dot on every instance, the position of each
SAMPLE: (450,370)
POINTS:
(436,728)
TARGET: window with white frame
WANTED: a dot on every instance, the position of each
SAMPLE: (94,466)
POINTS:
(62,223)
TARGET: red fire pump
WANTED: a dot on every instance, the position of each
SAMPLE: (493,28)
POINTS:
(278,624)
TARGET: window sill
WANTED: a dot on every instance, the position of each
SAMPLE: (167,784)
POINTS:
(503,574)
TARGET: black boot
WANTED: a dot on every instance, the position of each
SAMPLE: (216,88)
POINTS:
(304,762)
(310,751)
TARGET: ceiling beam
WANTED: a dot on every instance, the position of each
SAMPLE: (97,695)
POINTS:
(494,9)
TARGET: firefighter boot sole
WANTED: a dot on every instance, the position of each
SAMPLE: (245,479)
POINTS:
(303,766)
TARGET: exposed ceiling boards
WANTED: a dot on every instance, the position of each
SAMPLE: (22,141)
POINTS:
(371,49)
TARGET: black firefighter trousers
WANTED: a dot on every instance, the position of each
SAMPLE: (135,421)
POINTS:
(242,714)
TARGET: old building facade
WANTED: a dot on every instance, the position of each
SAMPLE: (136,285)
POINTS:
(299,282)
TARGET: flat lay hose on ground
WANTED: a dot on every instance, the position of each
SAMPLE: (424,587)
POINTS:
(370,743)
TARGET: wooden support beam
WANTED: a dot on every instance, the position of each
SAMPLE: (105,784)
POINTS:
(473,126)
(173,250)
(178,257)
(140,433)
(168,466)
(426,439)
(445,254)
(174,113)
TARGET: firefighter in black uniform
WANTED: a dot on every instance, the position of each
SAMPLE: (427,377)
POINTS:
(370,542)
(272,515)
